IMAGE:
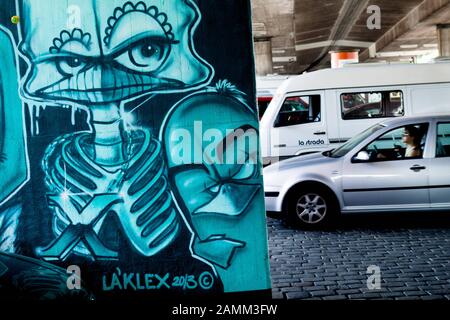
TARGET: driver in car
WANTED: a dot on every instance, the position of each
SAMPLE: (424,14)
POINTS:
(412,138)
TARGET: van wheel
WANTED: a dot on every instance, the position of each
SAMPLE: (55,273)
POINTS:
(311,207)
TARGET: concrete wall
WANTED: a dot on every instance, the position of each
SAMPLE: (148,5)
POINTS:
(443,31)
(263,57)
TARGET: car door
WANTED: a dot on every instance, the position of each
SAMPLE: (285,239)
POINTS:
(300,124)
(440,168)
(390,179)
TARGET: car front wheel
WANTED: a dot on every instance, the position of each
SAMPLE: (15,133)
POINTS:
(311,207)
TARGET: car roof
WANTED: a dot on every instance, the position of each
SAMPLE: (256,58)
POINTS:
(400,120)
(368,76)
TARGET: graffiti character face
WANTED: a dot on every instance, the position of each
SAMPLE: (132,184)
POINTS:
(119,49)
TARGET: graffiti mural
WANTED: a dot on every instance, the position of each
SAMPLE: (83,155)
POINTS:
(128,153)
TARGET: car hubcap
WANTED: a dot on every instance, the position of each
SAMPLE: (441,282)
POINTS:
(311,208)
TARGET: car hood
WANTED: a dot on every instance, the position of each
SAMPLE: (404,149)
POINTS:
(315,159)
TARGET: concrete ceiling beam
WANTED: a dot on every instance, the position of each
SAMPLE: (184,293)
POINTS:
(349,14)
(423,11)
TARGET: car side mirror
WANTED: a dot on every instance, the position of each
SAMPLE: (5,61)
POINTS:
(362,156)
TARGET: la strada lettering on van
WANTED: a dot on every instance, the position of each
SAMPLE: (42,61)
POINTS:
(311,142)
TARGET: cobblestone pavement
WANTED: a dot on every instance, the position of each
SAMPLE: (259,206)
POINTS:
(412,251)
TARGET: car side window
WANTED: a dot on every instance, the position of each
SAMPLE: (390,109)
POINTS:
(299,110)
(406,142)
(443,140)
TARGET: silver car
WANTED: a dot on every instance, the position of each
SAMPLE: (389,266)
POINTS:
(396,165)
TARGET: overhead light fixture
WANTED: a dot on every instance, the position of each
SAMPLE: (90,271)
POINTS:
(284,59)
(409,46)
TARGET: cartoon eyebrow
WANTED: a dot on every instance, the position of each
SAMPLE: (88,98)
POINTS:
(129,7)
(57,53)
(129,43)
(65,36)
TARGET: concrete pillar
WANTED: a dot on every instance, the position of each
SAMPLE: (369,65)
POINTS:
(443,31)
(263,56)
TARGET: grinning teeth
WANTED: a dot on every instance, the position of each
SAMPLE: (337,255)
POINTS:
(130,83)
(104,84)
(81,85)
(118,84)
(100,95)
(63,85)
(93,80)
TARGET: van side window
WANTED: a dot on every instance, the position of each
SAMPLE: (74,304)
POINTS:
(366,105)
(443,140)
(299,110)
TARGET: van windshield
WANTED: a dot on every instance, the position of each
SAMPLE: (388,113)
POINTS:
(353,142)
(275,101)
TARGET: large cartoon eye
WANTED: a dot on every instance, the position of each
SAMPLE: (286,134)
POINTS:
(70,65)
(146,55)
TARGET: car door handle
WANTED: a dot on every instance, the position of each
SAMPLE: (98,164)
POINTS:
(417,168)
(320,133)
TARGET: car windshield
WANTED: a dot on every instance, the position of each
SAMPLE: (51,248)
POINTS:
(353,142)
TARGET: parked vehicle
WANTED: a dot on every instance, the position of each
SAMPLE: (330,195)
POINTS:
(400,164)
(266,88)
(322,109)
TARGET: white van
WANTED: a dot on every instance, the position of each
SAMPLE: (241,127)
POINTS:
(322,109)
(266,87)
